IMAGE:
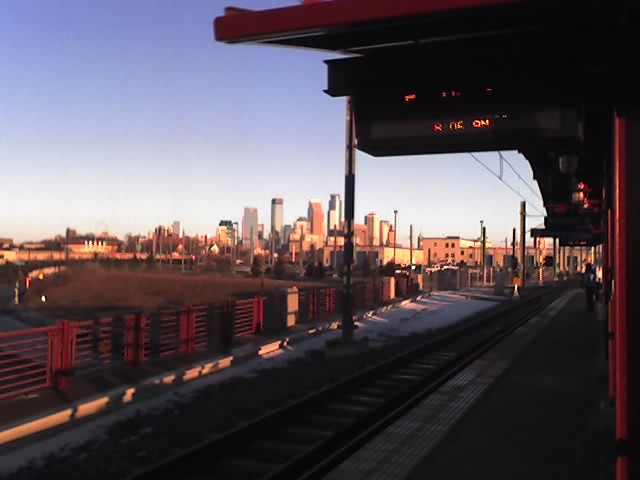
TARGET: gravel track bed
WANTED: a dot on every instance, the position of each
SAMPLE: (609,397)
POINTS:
(151,436)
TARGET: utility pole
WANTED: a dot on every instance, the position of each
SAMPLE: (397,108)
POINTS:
(523,239)
(506,249)
(335,248)
(300,255)
(484,254)
(481,249)
(395,235)
(411,245)
(236,244)
(349,229)
(513,250)
(66,247)
(251,246)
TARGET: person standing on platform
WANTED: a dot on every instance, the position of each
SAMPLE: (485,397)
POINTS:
(590,285)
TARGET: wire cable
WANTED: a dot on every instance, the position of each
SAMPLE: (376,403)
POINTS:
(503,181)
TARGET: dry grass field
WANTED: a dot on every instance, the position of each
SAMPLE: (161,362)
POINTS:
(96,287)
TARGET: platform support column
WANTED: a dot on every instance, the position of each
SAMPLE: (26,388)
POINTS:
(349,230)
(607,272)
(523,241)
(625,288)
(555,258)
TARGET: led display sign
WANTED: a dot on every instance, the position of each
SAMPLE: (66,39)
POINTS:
(412,128)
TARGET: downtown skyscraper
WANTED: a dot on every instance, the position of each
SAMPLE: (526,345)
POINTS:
(316,218)
(334,214)
(277,216)
(250,225)
(372,220)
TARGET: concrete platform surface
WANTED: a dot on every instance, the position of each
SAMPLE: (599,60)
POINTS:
(533,407)
(543,418)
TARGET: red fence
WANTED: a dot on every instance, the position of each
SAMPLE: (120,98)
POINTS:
(317,303)
(26,360)
(38,358)
(248,316)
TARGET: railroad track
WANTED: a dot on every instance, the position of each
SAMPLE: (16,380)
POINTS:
(309,437)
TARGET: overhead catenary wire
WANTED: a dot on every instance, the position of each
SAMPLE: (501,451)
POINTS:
(504,159)
(506,183)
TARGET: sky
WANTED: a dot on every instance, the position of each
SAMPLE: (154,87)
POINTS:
(123,115)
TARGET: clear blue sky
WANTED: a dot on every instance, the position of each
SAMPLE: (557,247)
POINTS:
(127,113)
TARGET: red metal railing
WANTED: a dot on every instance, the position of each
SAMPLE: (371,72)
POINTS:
(136,338)
(202,320)
(26,359)
(248,316)
(39,358)
(170,333)
(94,345)
(317,303)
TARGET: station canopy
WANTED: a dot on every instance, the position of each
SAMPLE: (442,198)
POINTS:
(440,76)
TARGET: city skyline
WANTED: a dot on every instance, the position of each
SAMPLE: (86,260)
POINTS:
(81,116)
(382,222)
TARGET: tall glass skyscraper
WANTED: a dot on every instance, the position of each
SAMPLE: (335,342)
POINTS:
(334,215)
(277,216)
(249,222)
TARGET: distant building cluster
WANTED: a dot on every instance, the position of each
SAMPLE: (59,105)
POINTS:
(316,237)
(321,228)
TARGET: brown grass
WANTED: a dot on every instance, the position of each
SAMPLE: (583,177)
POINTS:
(95,287)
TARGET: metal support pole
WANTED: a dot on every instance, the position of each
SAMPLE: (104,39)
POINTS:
(572,265)
(484,254)
(535,252)
(251,246)
(626,286)
(395,234)
(411,245)
(611,344)
(335,248)
(506,250)
(513,250)
(349,230)
(581,264)
(300,253)
(541,245)
(523,239)
(555,257)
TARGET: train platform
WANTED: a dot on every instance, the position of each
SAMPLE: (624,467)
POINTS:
(535,406)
